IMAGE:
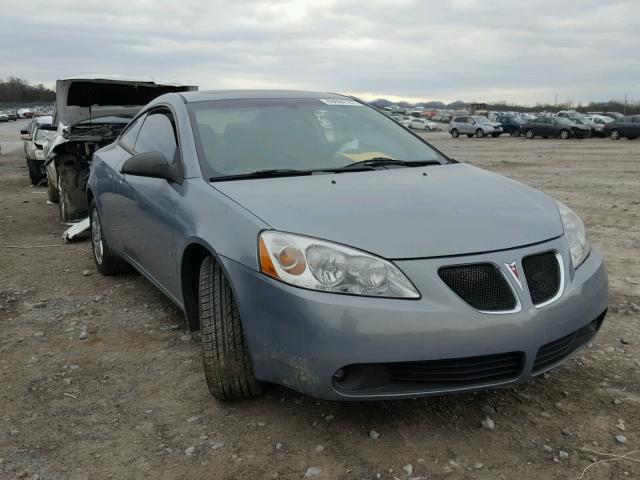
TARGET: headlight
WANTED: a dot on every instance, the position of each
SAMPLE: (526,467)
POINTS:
(319,265)
(576,234)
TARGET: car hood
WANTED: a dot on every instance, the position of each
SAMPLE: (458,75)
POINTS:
(401,213)
(82,97)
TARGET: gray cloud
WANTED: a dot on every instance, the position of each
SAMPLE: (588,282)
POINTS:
(461,49)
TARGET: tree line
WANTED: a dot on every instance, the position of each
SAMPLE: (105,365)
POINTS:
(16,90)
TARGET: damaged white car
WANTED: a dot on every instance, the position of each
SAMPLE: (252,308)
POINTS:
(91,111)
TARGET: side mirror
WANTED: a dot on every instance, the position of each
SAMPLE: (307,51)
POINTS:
(151,164)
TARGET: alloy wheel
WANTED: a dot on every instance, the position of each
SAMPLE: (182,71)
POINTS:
(96,237)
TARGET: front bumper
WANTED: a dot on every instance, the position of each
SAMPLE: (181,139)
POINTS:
(300,338)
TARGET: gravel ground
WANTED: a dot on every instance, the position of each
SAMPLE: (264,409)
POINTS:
(99,378)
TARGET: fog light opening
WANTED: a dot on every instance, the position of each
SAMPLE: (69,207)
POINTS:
(340,375)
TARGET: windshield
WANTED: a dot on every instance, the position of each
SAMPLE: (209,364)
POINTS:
(481,119)
(569,121)
(236,137)
(42,135)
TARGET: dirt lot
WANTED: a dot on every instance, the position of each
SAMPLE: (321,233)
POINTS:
(130,400)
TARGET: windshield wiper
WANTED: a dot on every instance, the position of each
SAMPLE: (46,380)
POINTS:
(274,172)
(382,161)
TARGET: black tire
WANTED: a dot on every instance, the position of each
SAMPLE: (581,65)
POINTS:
(495,135)
(515,133)
(480,133)
(614,134)
(455,133)
(564,134)
(107,262)
(52,191)
(227,366)
(34,172)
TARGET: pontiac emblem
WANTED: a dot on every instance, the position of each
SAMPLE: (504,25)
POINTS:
(515,273)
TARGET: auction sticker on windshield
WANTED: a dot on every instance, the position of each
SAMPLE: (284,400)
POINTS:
(340,101)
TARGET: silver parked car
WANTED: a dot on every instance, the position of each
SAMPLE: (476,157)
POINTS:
(345,258)
(474,125)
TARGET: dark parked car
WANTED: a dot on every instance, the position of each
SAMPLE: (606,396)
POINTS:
(318,244)
(628,127)
(510,124)
(554,127)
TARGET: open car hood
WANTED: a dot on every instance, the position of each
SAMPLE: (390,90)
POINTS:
(81,97)
(398,214)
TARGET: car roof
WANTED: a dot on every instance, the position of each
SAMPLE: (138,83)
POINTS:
(208,95)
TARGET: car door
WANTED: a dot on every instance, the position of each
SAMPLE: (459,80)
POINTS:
(115,208)
(634,127)
(463,125)
(149,204)
(549,127)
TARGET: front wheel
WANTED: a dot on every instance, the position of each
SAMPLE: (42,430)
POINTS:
(35,175)
(455,133)
(107,262)
(614,135)
(52,191)
(529,134)
(564,134)
(227,366)
(480,133)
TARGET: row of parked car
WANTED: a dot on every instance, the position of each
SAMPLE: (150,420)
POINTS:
(8,116)
(564,125)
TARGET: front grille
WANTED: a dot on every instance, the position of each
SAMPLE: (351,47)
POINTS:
(543,275)
(481,285)
(554,352)
(458,371)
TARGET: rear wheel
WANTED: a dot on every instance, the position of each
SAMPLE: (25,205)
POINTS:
(107,262)
(227,365)
(614,135)
(495,135)
(455,133)
(480,133)
(564,134)
(529,134)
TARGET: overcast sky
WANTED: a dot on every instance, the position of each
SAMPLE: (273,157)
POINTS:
(399,49)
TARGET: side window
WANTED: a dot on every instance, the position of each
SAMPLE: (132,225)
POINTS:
(158,134)
(636,120)
(129,135)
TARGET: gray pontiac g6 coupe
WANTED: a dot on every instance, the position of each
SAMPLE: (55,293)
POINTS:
(319,245)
